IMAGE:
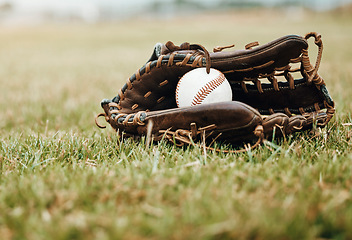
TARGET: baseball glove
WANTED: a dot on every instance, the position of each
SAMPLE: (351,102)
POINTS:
(276,91)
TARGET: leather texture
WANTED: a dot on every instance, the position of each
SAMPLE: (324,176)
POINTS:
(234,121)
(266,93)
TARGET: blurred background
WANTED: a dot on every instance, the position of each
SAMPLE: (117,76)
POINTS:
(15,12)
(60,58)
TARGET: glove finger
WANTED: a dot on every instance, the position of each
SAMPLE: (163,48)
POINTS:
(233,122)
(295,123)
(275,125)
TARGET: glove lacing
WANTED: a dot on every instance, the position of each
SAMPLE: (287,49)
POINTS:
(180,137)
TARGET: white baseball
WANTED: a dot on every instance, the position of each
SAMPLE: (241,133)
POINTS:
(199,87)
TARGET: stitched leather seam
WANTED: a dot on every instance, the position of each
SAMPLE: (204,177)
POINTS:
(177,89)
(207,89)
(184,60)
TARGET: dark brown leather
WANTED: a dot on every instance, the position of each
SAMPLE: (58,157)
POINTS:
(279,51)
(291,104)
(235,121)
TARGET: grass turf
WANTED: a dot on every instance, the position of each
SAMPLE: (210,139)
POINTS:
(62,178)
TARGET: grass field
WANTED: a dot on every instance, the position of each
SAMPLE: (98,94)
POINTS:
(63,178)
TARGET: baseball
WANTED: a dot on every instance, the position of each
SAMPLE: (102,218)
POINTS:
(198,87)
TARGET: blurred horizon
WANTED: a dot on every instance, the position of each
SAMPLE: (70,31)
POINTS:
(24,12)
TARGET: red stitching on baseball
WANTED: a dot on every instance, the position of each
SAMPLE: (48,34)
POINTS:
(177,89)
(207,89)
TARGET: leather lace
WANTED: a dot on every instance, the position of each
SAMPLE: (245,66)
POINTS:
(182,137)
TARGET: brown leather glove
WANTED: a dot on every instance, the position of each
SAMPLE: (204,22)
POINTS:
(267,94)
